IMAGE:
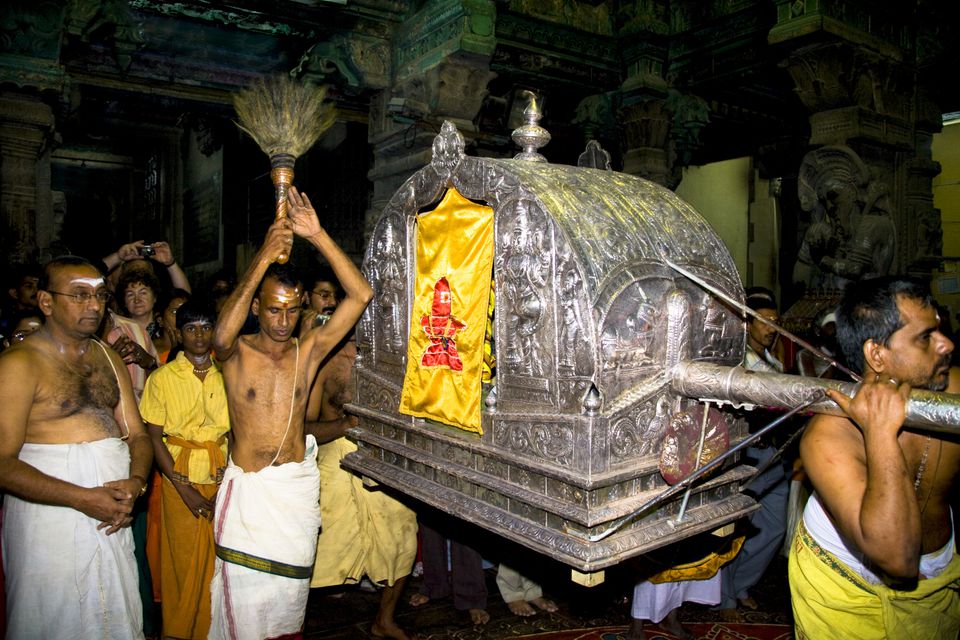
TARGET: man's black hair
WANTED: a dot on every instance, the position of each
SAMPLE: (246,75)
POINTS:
(285,274)
(324,273)
(20,271)
(761,298)
(22,314)
(869,311)
(195,310)
(60,262)
(170,296)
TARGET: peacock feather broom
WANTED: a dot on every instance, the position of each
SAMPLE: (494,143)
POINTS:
(285,118)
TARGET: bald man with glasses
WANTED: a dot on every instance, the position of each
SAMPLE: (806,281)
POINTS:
(74,456)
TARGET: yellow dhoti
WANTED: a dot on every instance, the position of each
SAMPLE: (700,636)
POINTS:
(363,531)
(832,602)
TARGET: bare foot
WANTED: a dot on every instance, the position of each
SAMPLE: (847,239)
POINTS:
(544,605)
(418,599)
(389,630)
(730,615)
(479,616)
(672,624)
(521,608)
(635,632)
(748,603)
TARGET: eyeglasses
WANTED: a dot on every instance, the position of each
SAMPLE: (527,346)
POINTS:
(102,297)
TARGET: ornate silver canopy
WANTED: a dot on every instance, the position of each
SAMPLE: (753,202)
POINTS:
(589,322)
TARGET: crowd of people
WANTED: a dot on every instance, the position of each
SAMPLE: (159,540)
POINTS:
(158,446)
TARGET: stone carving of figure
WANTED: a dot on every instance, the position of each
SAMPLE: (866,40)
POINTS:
(852,235)
(869,239)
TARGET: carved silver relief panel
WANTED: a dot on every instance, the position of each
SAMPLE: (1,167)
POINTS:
(722,336)
(547,441)
(640,432)
(377,396)
(523,270)
(633,333)
(385,318)
(574,322)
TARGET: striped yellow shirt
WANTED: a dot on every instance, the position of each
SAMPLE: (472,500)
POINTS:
(175,399)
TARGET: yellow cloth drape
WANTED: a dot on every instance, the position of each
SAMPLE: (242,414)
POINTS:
(702,569)
(451,292)
(831,602)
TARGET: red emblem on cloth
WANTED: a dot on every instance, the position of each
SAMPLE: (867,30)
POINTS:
(441,327)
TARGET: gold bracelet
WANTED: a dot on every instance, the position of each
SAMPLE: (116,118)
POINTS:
(143,481)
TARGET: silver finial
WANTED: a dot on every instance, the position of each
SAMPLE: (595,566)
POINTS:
(592,401)
(531,136)
(491,400)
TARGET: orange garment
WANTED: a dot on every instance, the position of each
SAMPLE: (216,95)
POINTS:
(186,548)
(186,561)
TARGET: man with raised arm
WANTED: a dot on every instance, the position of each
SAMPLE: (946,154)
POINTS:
(267,511)
(874,553)
(74,456)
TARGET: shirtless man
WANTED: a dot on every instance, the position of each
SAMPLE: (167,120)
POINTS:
(74,456)
(267,511)
(874,554)
(365,531)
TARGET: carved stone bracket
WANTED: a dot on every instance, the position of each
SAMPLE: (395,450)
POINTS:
(108,22)
(853,92)
(31,43)
(361,60)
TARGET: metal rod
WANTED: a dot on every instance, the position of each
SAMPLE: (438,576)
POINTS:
(925,411)
(747,310)
(703,437)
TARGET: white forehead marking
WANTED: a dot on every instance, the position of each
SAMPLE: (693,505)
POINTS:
(92,282)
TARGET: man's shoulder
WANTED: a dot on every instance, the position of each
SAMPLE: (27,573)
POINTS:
(21,356)
(825,431)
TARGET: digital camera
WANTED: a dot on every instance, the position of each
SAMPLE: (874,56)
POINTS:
(146,250)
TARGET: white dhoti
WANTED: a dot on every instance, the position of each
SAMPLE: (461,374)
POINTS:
(654,601)
(265,529)
(64,578)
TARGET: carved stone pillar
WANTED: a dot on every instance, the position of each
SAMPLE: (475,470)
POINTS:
(644,114)
(855,73)
(442,70)
(646,129)
(26,124)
